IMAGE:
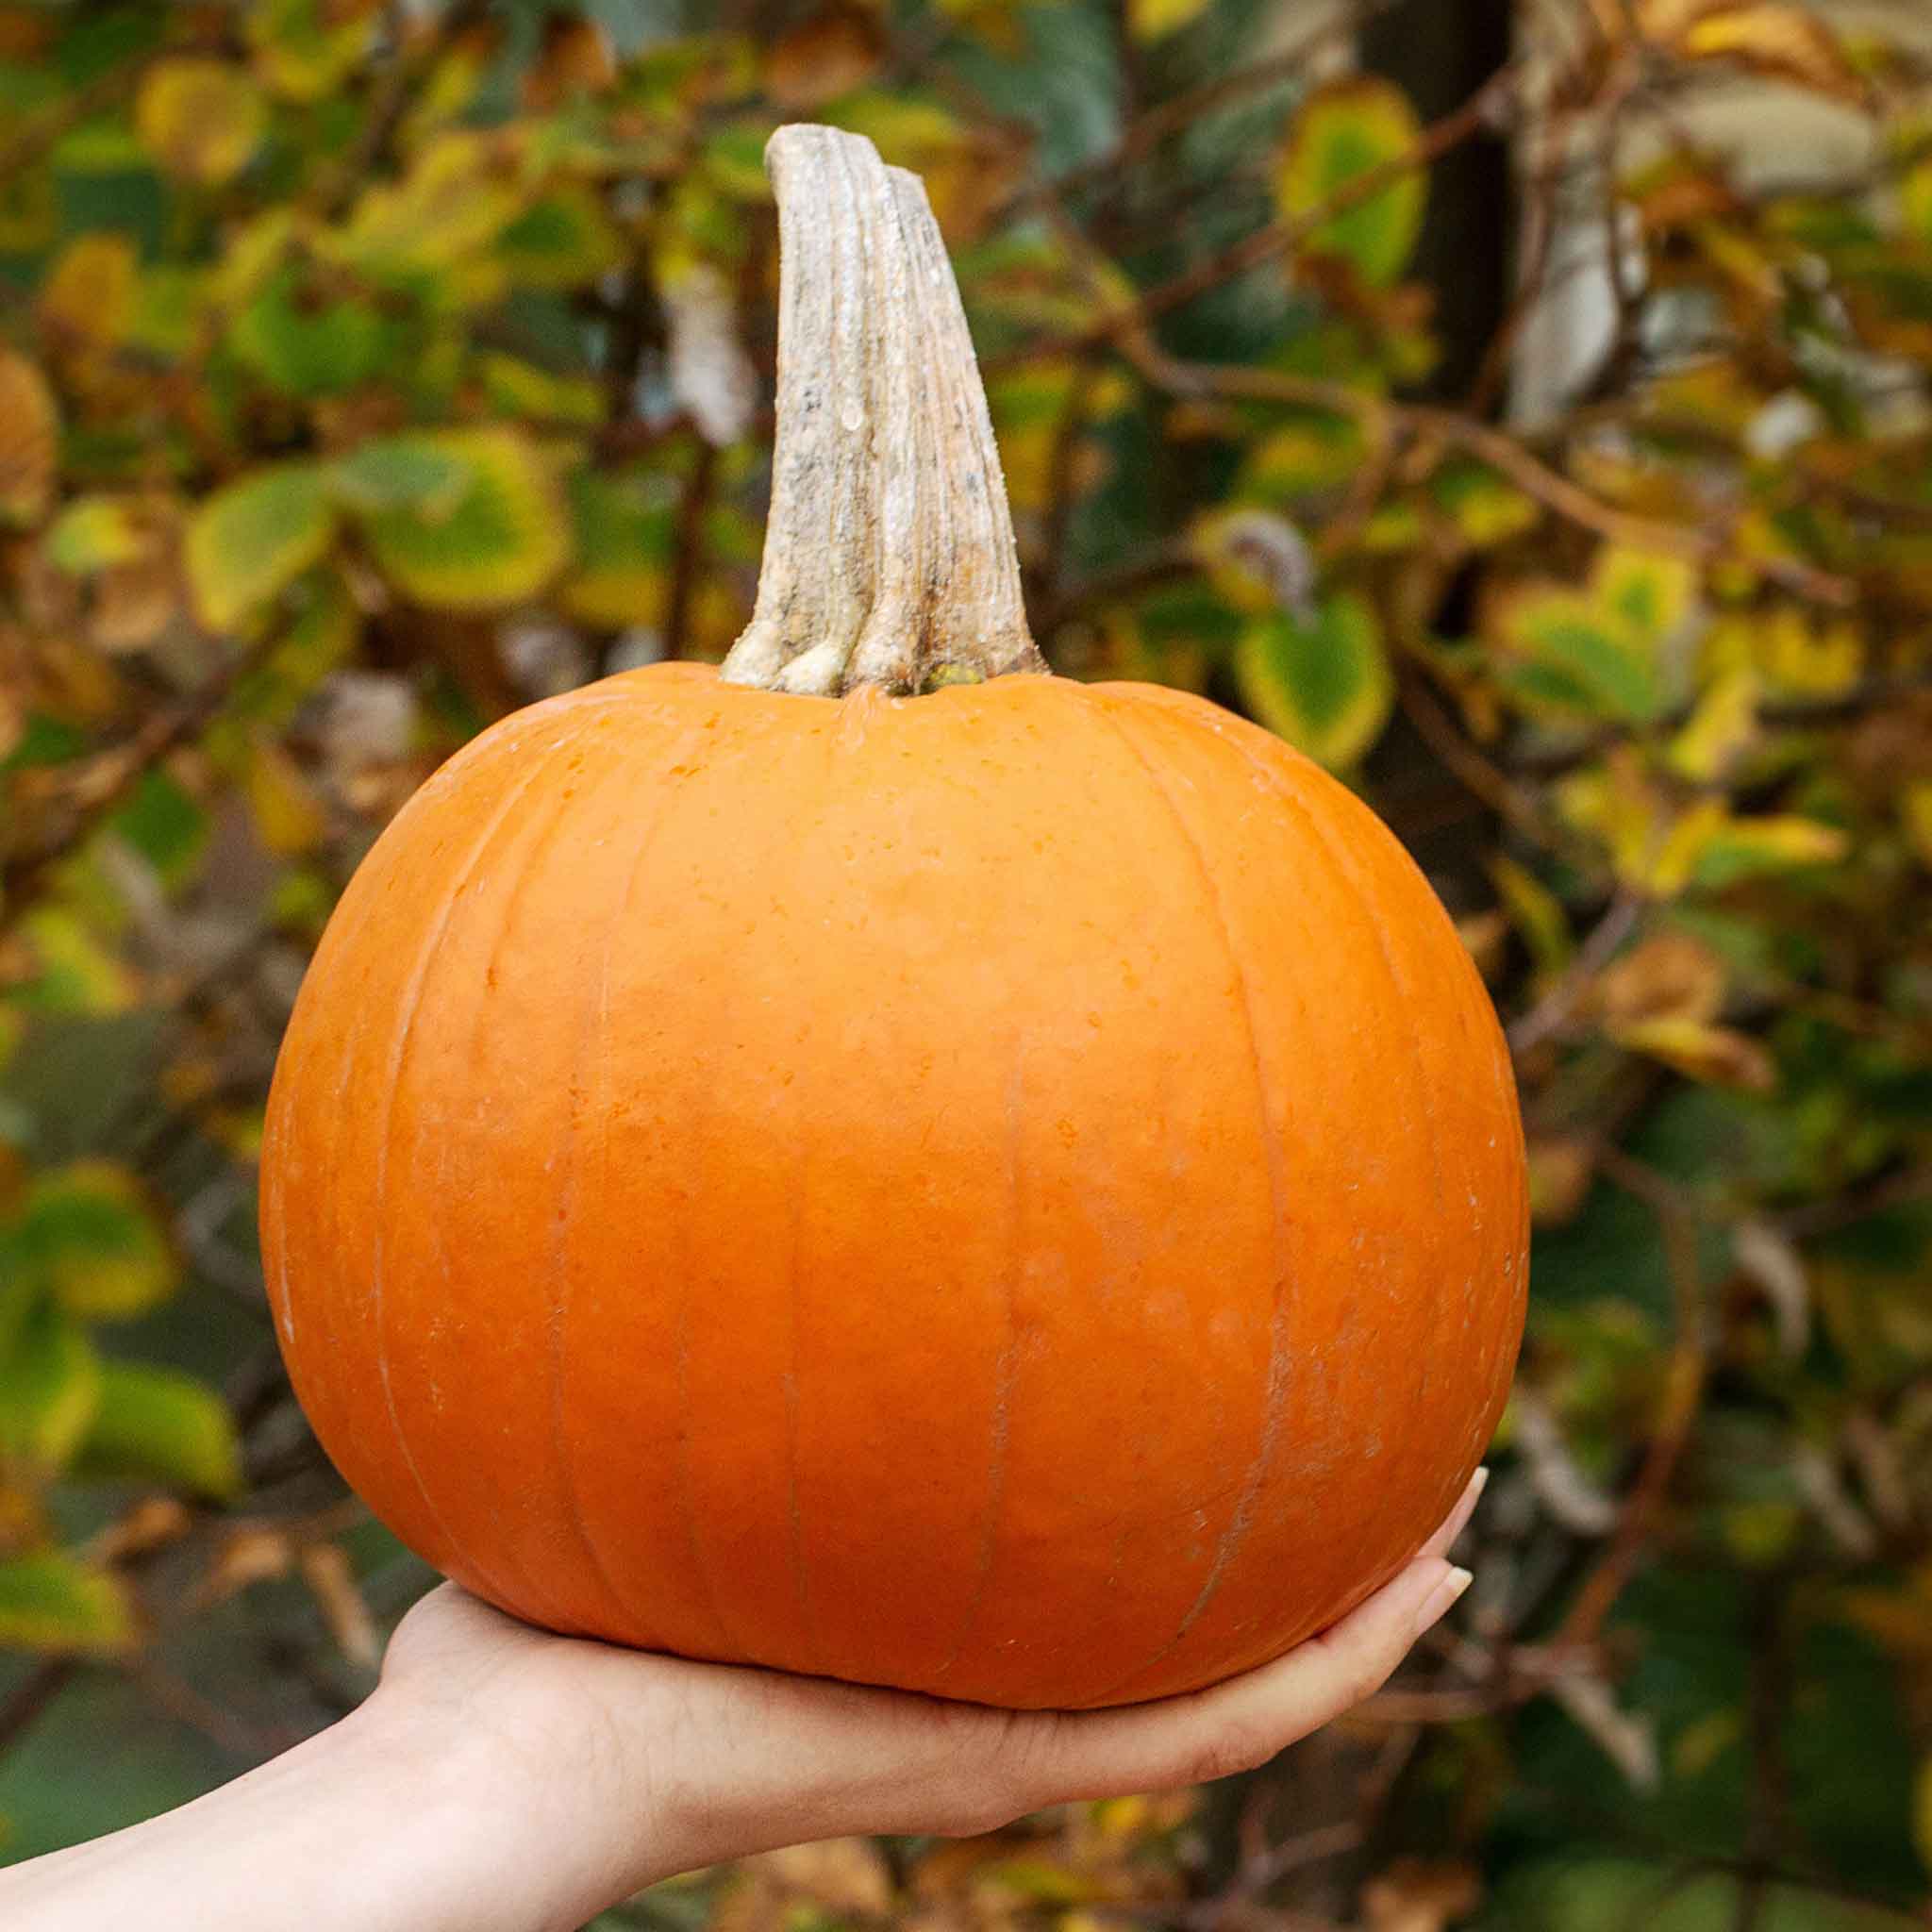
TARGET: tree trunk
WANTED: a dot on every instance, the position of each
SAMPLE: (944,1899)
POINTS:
(1440,52)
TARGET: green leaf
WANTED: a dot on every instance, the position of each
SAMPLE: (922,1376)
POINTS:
(52,1602)
(401,472)
(165,824)
(561,241)
(50,1388)
(625,542)
(501,541)
(1343,132)
(249,541)
(87,1235)
(160,1424)
(310,345)
(1323,683)
(322,634)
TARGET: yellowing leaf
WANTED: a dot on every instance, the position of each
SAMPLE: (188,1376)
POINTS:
(502,539)
(1714,1054)
(50,1386)
(1343,132)
(304,49)
(1485,507)
(1323,682)
(1536,912)
(29,441)
(96,533)
(561,241)
(201,120)
(1153,19)
(161,1424)
(1743,848)
(1573,657)
(74,973)
(1308,457)
(89,292)
(250,540)
(86,1234)
(1647,592)
(55,1603)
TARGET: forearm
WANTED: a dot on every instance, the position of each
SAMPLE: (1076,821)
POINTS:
(373,1825)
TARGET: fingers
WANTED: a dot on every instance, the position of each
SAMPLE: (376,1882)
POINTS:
(1242,1723)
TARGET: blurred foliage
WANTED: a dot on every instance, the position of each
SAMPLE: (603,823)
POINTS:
(367,371)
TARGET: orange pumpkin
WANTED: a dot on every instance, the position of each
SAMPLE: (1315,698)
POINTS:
(1011,1189)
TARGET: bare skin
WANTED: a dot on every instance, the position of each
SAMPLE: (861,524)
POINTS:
(501,1779)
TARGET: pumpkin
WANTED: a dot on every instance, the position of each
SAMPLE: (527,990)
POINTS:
(880,1161)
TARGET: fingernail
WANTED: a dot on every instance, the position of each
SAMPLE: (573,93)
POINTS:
(1479,1481)
(1435,1605)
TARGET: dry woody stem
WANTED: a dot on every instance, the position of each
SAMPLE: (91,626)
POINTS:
(889,558)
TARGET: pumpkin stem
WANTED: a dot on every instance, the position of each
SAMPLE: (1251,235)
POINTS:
(889,558)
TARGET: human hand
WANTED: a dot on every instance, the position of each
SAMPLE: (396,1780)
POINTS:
(620,1767)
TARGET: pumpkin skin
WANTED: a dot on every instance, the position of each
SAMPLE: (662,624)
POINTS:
(1014,1193)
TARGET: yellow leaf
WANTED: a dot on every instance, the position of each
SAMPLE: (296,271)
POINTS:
(1153,19)
(89,292)
(1786,42)
(1670,868)
(1536,912)
(1807,658)
(1915,811)
(1722,726)
(201,120)
(1715,1055)
(288,818)
(29,441)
